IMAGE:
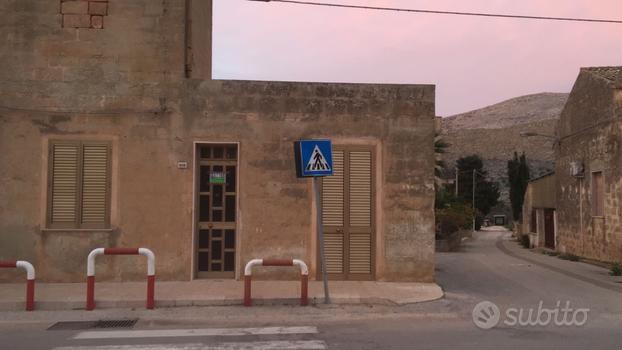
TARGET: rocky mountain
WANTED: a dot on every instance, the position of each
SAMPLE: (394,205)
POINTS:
(520,110)
(493,132)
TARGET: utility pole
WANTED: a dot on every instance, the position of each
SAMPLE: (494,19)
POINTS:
(474,172)
(456,182)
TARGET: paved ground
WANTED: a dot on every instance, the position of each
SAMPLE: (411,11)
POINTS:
(482,271)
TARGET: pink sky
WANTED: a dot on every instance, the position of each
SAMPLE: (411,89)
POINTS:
(473,61)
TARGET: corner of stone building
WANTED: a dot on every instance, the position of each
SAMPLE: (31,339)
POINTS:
(409,271)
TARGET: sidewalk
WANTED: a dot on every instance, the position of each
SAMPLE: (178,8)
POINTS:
(72,296)
(582,271)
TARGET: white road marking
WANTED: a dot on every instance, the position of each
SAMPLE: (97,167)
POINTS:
(207,332)
(259,345)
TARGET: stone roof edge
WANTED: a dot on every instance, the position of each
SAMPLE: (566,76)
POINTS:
(597,72)
(286,82)
(542,176)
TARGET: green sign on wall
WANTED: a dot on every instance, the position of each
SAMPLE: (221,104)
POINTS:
(217,177)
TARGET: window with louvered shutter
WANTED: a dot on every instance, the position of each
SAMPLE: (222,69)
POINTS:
(94,183)
(79,185)
(598,194)
(64,185)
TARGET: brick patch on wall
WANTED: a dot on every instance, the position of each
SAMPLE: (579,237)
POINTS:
(83,13)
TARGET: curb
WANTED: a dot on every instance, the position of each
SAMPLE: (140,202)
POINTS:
(406,295)
(606,285)
(140,304)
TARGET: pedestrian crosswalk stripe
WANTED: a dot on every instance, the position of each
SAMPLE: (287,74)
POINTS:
(258,345)
(160,333)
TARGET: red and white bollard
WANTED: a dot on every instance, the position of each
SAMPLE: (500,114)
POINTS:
(30,280)
(90,272)
(304,277)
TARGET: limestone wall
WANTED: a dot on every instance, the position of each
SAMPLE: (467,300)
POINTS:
(591,132)
(126,83)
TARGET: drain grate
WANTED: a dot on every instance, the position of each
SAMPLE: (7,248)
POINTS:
(82,325)
(72,325)
(115,323)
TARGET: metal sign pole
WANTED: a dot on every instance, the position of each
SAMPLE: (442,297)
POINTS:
(320,234)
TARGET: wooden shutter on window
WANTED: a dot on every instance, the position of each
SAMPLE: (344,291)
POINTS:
(333,214)
(360,194)
(79,185)
(95,172)
(598,194)
(64,184)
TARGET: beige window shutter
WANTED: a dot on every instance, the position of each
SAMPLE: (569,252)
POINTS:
(95,172)
(64,184)
(360,194)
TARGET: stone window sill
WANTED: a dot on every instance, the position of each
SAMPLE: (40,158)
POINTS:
(77,230)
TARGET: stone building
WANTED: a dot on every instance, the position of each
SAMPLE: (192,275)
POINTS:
(113,134)
(589,167)
(539,216)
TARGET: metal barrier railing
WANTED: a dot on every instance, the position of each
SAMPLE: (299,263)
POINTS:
(90,272)
(30,280)
(304,276)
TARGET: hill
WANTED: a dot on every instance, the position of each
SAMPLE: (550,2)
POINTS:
(520,110)
(493,132)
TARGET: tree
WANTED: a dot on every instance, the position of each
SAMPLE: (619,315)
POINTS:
(486,192)
(518,175)
(440,147)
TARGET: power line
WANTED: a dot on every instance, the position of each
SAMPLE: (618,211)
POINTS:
(456,13)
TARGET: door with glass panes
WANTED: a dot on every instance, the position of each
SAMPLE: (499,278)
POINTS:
(216,200)
(348,214)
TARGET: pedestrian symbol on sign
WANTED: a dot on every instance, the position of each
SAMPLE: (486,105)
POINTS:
(317,162)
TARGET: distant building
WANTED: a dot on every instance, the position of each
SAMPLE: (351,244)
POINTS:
(114,134)
(539,216)
(589,167)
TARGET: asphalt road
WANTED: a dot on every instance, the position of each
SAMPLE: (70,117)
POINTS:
(481,272)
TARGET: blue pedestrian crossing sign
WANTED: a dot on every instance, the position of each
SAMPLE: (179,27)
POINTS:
(313,158)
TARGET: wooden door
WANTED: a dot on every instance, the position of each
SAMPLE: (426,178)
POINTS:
(549,228)
(348,214)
